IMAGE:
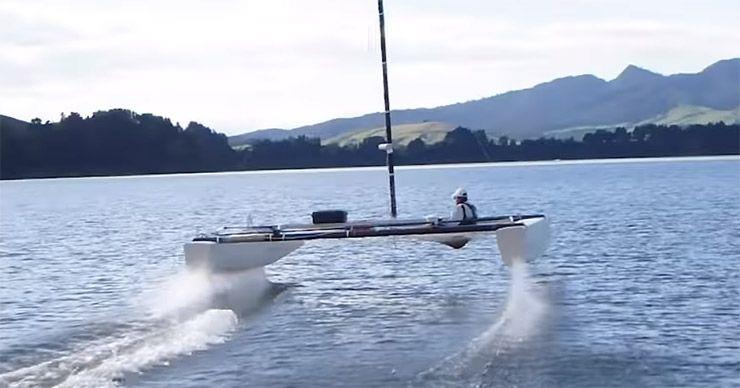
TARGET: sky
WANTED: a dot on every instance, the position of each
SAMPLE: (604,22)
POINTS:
(241,65)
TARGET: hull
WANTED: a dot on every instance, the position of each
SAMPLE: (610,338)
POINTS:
(452,240)
(523,242)
(218,257)
(519,238)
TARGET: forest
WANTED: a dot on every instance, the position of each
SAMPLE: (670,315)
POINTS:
(122,142)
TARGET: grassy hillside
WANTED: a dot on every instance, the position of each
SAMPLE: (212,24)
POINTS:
(241,141)
(430,132)
(433,132)
(680,115)
(689,114)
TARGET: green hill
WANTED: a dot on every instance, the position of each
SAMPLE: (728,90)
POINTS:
(681,115)
(690,114)
(429,132)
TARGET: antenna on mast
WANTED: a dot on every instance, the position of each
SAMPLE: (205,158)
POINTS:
(388,145)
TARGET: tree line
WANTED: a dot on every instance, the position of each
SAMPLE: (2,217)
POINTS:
(122,142)
(114,142)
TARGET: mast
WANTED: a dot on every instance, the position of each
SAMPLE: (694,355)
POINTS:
(388,146)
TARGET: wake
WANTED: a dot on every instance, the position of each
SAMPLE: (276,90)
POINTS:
(189,312)
(521,321)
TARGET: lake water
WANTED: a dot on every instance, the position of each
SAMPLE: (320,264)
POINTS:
(640,285)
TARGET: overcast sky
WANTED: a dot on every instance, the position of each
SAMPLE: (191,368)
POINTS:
(238,65)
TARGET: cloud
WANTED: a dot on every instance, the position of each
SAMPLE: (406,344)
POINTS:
(239,65)
(19,31)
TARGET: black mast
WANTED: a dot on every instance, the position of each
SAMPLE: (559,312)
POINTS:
(388,147)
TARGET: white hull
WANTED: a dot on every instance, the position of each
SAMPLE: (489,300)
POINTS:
(522,241)
(218,257)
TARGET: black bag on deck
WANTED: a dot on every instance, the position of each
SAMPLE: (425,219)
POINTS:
(329,217)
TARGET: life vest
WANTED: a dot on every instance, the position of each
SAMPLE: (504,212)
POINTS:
(469,212)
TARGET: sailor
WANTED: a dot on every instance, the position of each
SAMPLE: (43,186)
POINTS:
(464,211)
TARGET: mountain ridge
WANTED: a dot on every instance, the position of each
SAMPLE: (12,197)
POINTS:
(635,95)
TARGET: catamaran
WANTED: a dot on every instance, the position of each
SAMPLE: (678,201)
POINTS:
(519,237)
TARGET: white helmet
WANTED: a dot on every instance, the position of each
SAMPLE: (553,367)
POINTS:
(460,193)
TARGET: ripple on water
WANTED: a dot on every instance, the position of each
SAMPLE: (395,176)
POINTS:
(640,285)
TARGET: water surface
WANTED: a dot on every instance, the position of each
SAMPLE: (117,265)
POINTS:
(640,286)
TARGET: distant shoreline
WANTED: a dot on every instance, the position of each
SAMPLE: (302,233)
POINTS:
(309,170)
(120,142)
